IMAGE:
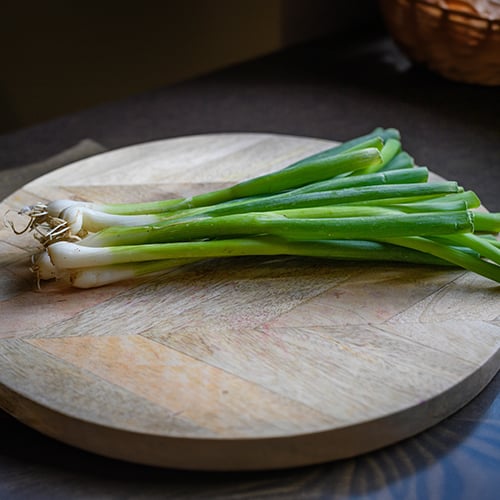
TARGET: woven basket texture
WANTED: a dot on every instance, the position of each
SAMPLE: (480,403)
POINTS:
(460,40)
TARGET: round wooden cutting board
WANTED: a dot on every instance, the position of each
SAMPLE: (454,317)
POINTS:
(247,363)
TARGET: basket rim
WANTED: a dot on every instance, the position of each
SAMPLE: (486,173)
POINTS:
(448,10)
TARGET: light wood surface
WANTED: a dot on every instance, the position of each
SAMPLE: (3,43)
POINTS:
(248,363)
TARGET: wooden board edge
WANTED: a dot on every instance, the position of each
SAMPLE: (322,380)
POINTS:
(271,453)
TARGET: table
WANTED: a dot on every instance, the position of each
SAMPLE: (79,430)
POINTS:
(332,89)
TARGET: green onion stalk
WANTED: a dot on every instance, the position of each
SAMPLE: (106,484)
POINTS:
(363,200)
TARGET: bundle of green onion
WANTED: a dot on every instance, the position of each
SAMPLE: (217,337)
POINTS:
(363,200)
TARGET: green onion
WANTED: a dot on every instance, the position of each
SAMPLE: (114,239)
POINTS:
(486,222)
(127,261)
(278,224)
(401,160)
(454,255)
(363,200)
(301,173)
(391,148)
(336,196)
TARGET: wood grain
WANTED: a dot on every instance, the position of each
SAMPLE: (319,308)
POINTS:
(249,363)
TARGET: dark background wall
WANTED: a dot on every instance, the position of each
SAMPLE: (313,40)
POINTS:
(62,56)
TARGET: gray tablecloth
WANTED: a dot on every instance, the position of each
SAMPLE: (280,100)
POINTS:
(14,178)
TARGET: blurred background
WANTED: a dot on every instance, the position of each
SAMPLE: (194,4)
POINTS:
(61,56)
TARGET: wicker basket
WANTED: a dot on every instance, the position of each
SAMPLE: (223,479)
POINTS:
(458,39)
